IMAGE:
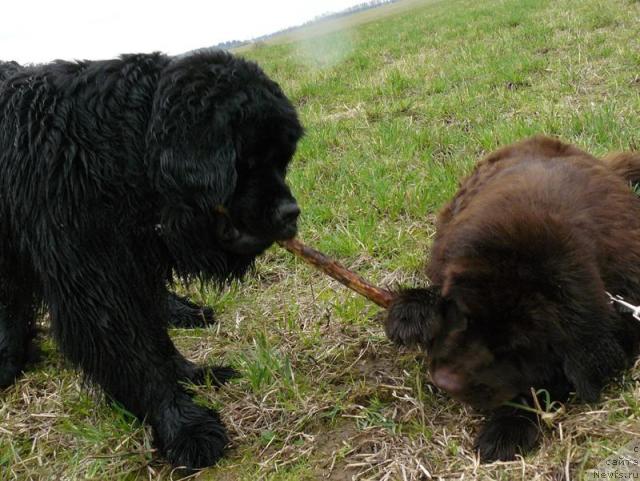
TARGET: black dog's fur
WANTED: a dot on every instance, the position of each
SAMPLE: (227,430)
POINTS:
(520,266)
(187,314)
(114,176)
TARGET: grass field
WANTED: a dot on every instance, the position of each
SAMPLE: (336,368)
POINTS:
(396,110)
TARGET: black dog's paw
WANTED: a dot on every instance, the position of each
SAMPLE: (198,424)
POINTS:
(9,371)
(199,442)
(409,320)
(190,318)
(12,366)
(503,437)
(187,314)
(216,375)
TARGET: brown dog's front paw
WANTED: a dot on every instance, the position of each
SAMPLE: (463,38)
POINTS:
(410,317)
(504,437)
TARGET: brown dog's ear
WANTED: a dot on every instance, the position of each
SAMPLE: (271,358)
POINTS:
(591,365)
(584,331)
(592,355)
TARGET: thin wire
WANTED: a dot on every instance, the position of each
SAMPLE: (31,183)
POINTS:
(635,310)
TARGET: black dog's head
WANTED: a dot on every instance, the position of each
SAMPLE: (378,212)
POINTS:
(220,140)
(262,208)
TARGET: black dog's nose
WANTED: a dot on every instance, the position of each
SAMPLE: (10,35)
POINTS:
(287,213)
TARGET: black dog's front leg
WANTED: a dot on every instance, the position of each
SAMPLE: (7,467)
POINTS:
(117,336)
(410,318)
(17,320)
(187,314)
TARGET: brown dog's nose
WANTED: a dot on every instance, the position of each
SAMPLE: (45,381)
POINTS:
(448,380)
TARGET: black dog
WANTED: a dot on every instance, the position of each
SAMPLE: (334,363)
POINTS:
(523,258)
(114,175)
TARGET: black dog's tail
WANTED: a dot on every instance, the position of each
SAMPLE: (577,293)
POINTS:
(626,165)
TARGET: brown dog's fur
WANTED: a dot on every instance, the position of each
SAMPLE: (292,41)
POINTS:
(523,258)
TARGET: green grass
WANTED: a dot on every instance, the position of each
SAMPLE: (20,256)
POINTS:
(397,109)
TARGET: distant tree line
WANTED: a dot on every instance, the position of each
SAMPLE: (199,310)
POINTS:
(348,11)
(325,16)
(231,44)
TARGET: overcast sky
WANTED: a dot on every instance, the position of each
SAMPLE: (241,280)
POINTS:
(43,30)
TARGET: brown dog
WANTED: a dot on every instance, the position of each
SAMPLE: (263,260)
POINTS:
(523,258)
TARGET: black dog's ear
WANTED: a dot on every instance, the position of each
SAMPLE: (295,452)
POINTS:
(192,154)
(200,169)
(194,181)
(191,138)
(412,317)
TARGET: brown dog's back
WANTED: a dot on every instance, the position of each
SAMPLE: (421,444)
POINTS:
(541,184)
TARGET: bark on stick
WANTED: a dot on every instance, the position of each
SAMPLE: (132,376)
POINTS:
(353,281)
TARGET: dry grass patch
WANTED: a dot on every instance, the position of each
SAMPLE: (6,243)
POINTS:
(416,98)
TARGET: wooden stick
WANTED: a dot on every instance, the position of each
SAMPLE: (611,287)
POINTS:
(353,281)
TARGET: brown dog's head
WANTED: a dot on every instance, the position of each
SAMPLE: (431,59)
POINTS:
(494,338)
(496,331)
(519,267)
